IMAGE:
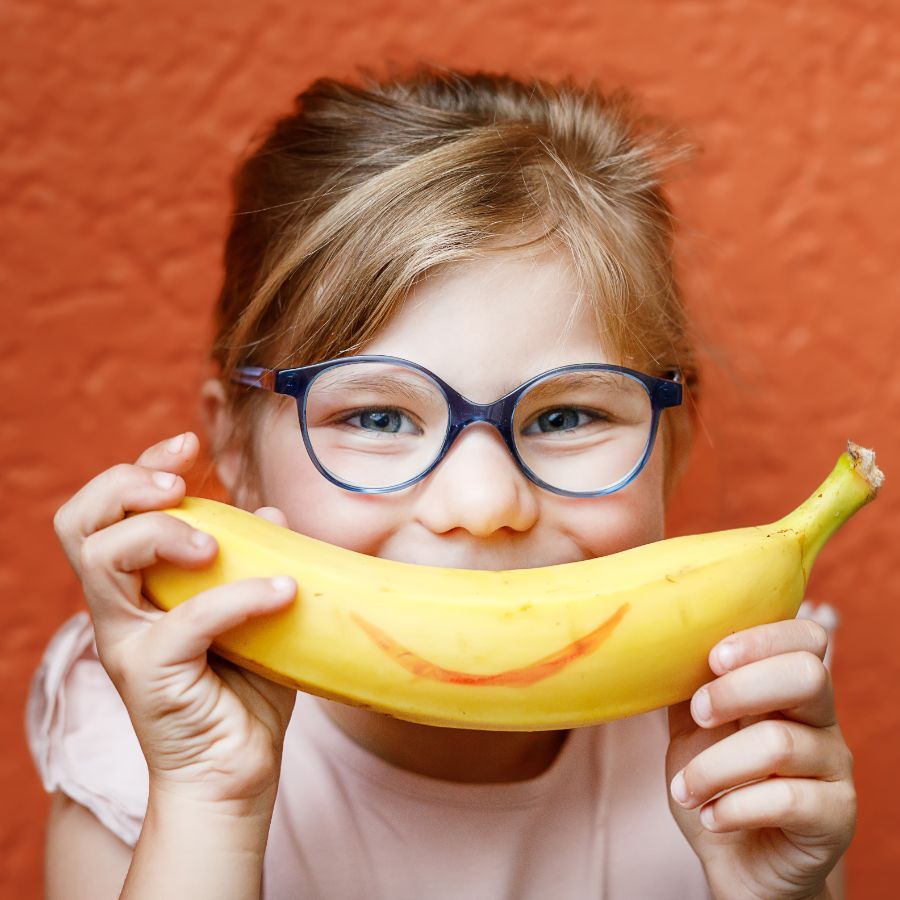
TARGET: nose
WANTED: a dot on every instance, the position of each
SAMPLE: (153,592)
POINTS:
(479,487)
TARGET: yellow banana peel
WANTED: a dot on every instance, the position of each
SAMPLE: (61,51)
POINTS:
(521,650)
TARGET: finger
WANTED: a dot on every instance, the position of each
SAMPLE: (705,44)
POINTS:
(768,640)
(772,747)
(174,454)
(111,560)
(111,495)
(687,740)
(188,630)
(802,806)
(272,514)
(797,685)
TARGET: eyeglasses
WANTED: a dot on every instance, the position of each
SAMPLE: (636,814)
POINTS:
(375,424)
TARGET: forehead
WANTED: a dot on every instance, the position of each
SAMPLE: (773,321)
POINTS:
(487,325)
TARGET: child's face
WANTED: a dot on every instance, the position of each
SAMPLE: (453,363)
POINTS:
(484,327)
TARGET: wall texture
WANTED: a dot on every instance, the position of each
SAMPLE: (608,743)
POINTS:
(122,122)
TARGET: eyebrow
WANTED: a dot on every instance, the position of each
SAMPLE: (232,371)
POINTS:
(402,386)
(575,380)
(413,393)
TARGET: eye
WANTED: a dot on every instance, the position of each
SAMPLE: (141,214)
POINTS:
(561,419)
(381,421)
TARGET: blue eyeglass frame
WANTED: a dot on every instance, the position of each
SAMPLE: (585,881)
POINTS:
(664,393)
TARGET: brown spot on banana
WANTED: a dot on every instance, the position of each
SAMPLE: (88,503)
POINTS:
(520,677)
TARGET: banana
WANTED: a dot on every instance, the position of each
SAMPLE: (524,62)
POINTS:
(523,650)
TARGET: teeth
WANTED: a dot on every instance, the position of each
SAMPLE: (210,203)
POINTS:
(519,650)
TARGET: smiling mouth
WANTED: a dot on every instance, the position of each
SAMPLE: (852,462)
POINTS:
(518,677)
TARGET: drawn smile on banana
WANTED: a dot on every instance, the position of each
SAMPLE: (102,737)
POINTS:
(521,676)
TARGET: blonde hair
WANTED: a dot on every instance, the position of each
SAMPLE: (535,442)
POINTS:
(366,188)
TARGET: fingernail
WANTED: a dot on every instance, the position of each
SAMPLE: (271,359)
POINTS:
(701,707)
(284,586)
(175,444)
(201,540)
(165,480)
(679,789)
(726,654)
(707,817)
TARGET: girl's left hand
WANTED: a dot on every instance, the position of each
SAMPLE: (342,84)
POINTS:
(768,719)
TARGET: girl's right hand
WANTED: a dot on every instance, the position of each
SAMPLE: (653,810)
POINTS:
(210,731)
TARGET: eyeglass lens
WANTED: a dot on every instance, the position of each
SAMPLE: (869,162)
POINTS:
(376,425)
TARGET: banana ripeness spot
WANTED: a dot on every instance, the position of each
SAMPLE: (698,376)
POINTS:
(518,677)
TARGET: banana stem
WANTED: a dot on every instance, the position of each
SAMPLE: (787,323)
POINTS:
(854,481)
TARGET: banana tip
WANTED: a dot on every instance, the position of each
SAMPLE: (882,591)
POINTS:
(863,461)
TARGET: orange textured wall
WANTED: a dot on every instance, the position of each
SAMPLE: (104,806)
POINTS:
(122,122)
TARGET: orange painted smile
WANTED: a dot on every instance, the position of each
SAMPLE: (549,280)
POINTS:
(520,677)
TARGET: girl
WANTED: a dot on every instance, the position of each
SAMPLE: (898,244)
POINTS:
(486,236)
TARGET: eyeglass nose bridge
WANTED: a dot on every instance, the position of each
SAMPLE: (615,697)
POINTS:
(465,412)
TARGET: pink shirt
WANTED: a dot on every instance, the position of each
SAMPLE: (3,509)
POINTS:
(349,826)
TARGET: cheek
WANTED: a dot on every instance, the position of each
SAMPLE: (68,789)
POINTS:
(629,518)
(312,504)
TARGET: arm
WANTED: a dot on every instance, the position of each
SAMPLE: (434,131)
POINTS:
(195,850)
(184,851)
(74,834)
(210,807)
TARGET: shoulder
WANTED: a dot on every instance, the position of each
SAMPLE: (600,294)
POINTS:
(80,736)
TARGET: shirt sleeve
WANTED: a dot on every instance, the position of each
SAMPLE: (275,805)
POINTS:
(827,617)
(79,733)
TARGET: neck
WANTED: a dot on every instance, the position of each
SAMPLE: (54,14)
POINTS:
(449,754)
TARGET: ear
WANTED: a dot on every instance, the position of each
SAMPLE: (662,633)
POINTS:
(227,455)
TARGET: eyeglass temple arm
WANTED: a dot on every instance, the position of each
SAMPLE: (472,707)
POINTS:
(254,376)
